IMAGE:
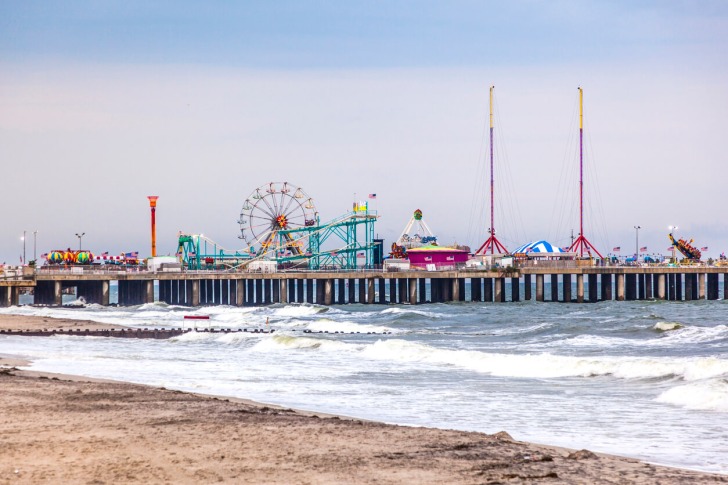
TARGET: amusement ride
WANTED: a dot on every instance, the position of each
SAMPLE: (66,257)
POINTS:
(492,244)
(422,236)
(279,223)
(581,244)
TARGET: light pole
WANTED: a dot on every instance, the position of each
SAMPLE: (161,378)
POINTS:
(672,230)
(637,243)
(23,239)
(80,238)
(35,237)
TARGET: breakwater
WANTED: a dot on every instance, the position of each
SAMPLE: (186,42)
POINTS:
(587,284)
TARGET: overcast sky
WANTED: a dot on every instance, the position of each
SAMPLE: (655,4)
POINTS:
(102,104)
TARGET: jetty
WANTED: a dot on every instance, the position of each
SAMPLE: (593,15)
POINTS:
(557,283)
(136,333)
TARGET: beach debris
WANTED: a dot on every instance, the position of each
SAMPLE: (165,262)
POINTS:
(504,436)
(582,455)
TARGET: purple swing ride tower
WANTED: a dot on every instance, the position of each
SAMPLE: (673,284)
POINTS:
(492,244)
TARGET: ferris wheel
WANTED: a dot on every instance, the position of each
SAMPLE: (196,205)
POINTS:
(270,209)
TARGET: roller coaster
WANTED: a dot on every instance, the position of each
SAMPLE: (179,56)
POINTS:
(279,222)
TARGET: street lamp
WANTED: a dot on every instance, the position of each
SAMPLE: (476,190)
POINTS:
(80,238)
(673,229)
(637,243)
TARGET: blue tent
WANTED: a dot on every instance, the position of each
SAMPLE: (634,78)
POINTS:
(538,247)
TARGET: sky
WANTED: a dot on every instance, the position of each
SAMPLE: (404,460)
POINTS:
(200,103)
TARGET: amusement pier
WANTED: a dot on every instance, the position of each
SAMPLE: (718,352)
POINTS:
(196,288)
(291,256)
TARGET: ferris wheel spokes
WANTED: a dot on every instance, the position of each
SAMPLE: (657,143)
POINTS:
(272,208)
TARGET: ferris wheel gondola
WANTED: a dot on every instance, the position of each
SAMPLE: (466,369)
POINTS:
(270,212)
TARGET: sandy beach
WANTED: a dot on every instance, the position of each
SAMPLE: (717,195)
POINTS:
(28,322)
(66,429)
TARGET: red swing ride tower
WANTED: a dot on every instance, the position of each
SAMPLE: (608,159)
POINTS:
(581,244)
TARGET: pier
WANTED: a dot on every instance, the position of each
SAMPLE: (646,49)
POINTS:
(541,284)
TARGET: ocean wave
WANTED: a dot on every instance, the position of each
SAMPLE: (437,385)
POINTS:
(667,326)
(225,338)
(515,330)
(669,335)
(409,311)
(289,342)
(698,334)
(546,365)
(299,310)
(709,395)
(328,325)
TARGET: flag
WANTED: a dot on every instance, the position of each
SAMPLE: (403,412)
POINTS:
(44,255)
(704,249)
(617,249)
(670,248)
(643,249)
(372,196)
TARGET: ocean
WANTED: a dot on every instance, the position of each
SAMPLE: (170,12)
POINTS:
(645,379)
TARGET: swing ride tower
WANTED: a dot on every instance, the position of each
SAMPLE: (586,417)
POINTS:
(581,244)
(492,244)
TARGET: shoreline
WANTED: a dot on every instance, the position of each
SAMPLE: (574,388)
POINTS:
(83,428)
(32,322)
(61,427)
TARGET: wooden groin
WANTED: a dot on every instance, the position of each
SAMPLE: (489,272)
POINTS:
(160,333)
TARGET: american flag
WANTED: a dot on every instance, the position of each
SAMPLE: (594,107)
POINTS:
(670,248)
(704,249)
(643,249)
(134,254)
(372,196)
(617,249)
(44,255)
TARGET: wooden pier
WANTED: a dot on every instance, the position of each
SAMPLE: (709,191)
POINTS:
(577,284)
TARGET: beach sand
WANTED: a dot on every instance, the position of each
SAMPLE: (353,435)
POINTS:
(27,322)
(66,429)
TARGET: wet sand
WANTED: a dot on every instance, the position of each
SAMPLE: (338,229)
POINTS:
(66,429)
(27,322)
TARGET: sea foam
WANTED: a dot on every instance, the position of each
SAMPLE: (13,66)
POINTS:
(546,365)
(709,395)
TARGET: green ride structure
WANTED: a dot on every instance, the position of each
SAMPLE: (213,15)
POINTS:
(279,223)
